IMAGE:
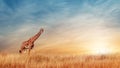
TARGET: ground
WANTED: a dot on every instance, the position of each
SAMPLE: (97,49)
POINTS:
(58,61)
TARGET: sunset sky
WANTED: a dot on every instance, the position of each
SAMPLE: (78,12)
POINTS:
(70,25)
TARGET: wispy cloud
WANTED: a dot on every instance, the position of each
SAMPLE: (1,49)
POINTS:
(62,20)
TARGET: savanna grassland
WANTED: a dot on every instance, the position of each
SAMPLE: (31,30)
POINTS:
(58,61)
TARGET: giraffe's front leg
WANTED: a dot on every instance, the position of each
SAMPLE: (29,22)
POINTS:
(29,50)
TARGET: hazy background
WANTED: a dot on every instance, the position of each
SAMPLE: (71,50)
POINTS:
(69,25)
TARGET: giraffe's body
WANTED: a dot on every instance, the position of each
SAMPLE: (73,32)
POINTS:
(29,44)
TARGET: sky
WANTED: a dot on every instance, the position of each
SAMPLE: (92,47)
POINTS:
(82,24)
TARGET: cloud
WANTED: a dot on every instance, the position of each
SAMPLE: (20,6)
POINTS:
(71,21)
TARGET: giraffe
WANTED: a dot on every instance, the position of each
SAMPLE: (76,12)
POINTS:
(29,44)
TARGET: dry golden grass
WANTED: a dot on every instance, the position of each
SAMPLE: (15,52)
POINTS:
(58,61)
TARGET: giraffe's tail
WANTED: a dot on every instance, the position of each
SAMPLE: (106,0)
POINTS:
(20,51)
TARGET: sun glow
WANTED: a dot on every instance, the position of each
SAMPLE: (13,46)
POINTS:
(100,47)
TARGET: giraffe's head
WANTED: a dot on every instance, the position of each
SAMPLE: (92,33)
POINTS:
(41,30)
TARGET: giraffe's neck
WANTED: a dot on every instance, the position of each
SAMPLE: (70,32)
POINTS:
(35,37)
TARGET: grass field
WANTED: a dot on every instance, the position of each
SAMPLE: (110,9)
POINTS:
(59,61)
